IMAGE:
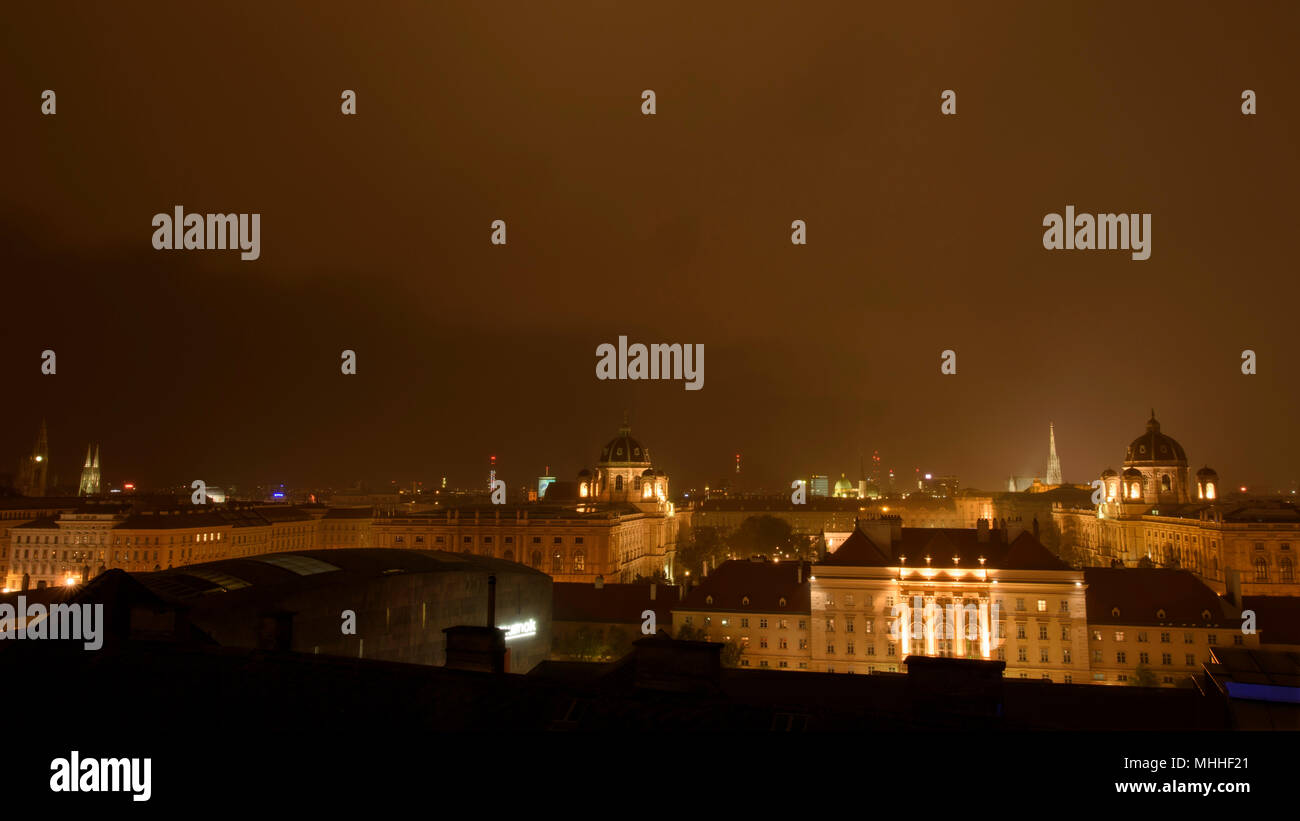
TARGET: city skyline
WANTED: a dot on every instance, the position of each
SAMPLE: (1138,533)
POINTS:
(464,478)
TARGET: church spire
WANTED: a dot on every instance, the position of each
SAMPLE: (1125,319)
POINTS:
(1053,463)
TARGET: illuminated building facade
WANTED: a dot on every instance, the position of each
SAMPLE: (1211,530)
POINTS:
(758,604)
(571,544)
(1165,621)
(1154,512)
(988,593)
(89,485)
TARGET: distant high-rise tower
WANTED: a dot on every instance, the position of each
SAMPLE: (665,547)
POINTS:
(33,470)
(90,475)
(1053,463)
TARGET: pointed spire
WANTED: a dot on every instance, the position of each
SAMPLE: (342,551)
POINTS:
(627,428)
(87,457)
(1053,463)
(96,465)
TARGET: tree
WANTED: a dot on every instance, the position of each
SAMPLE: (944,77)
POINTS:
(1143,677)
(763,536)
(703,543)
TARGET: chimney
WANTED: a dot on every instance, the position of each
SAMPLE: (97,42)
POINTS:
(600,582)
(478,648)
(653,587)
(798,573)
(982,530)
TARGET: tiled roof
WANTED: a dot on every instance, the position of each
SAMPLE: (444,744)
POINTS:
(941,544)
(1155,596)
(763,583)
(621,603)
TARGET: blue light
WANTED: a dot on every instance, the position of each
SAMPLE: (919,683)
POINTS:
(277,495)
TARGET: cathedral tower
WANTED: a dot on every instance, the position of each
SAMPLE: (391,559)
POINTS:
(33,469)
(90,475)
(1053,463)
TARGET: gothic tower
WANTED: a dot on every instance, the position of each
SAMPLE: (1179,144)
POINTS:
(90,475)
(33,470)
(1053,463)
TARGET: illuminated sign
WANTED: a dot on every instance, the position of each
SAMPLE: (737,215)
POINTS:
(520,629)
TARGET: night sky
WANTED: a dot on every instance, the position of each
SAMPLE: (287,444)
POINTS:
(924,233)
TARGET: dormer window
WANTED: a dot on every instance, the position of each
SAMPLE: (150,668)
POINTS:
(1160,614)
(782,602)
(744,602)
(708,600)
(1205,615)
(1114,612)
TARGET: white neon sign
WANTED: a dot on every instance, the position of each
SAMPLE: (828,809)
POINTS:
(520,629)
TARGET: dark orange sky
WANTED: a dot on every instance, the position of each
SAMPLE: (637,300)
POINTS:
(925,233)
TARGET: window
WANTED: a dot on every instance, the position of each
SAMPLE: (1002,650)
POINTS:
(762,642)
(1287,570)
(577,540)
(1142,636)
(509,540)
(1069,679)
(1121,657)
(1020,630)
(848,649)
(1020,604)
(1261,569)
(830,625)
(830,649)
(1065,632)
(1238,640)
(762,623)
(537,559)
(1098,676)
(1042,605)
(1022,655)
(1166,658)
(1002,654)
(1119,635)
(557,562)
(487,540)
(783,624)
(803,624)
(871,649)
(848,625)
(803,644)
(830,600)
(1121,677)
(537,540)
(1066,656)
(893,650)
(1143,658)
(1212,639)
(1042,632)
(1065,606)
(557,540)
(1042,655)
(1096,635)
(1190,660)
(744,622)
(1188,638)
